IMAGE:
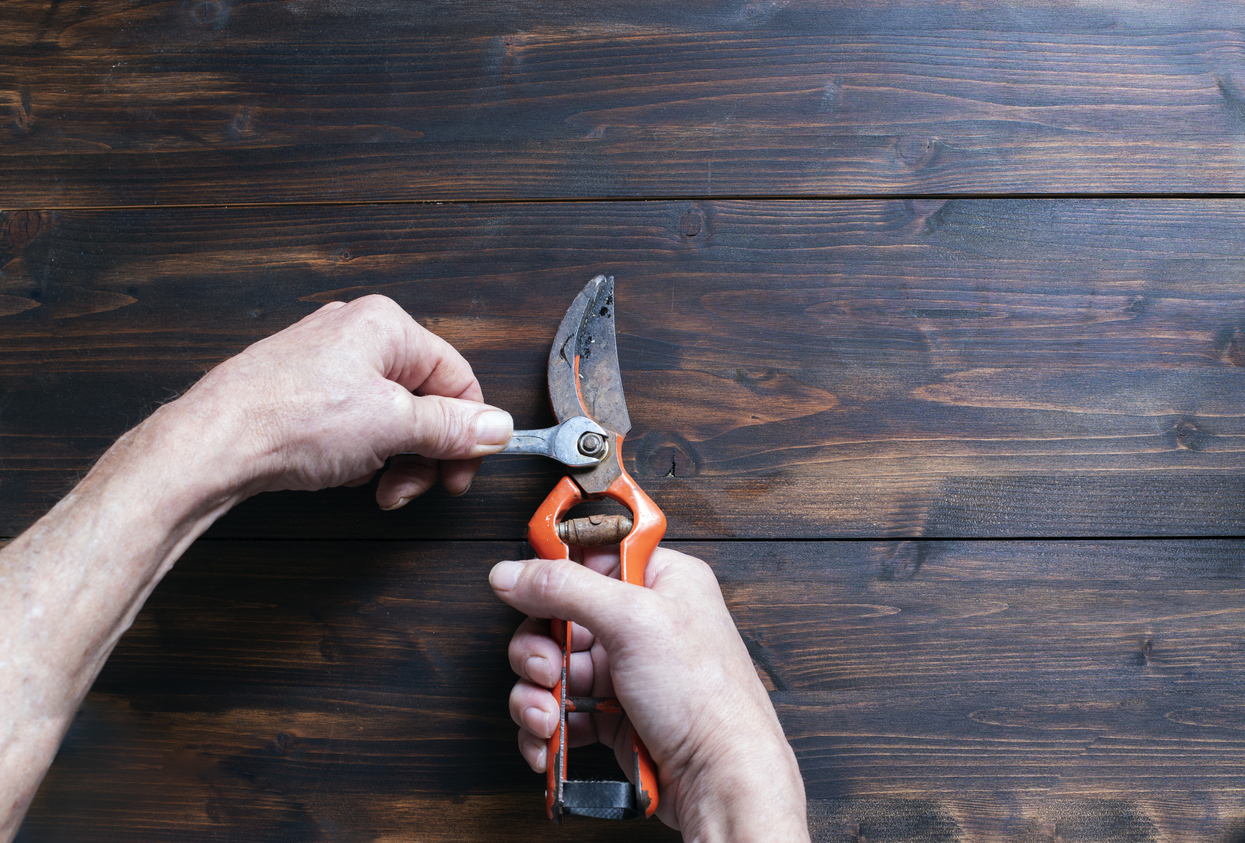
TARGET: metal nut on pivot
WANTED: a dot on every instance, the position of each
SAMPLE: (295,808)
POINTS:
(592,444)
(562,442)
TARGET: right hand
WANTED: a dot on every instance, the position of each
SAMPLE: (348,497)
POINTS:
(327,400)
(671,655)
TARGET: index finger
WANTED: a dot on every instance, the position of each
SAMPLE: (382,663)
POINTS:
(603,559)
(411,355)
(431,366)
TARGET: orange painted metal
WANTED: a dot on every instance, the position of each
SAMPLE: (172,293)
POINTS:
(584,380)
(634,552)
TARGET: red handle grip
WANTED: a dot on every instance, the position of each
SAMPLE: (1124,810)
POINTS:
(542,535)
(635,550)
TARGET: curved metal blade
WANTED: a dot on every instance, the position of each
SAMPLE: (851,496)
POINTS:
(583,364)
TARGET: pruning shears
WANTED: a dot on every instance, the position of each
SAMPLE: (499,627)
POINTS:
(585,388)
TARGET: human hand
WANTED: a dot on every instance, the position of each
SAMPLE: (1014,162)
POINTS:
(327,400)
(671,655)
(322,403)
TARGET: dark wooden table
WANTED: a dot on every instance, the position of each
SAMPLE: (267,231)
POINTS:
(931,316)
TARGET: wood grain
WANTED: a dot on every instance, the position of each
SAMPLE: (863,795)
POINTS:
(213,102)
(897,366)
(883,368)
(972,691)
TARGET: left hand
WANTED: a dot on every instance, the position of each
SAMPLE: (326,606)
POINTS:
(672,656)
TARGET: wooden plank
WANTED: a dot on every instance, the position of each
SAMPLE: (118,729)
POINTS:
(210,102)
(972,691)
(797,369)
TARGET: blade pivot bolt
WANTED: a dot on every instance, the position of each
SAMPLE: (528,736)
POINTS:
(592,444)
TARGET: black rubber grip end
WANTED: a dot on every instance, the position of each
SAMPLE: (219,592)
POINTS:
(603,800)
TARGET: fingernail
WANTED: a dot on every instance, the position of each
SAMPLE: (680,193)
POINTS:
(504,575)
(539,670)
(494,427)
(401,503)
(461,492)
(539,721)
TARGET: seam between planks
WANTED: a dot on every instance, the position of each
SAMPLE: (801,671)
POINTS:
(790,197)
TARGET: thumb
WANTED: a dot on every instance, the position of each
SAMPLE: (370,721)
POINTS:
(560,588)
(454,428)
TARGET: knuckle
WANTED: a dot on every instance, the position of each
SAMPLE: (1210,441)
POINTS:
(645,614)
(516,702)
(378,312)
(396,402)
(550,580)
(441,428)
(453,429)
(698,573)
(376,303)
(517,655)
(702,571)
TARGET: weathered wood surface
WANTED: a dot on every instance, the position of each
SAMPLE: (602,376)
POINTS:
(878,368)
(210,101)
(889,367)
(933,691)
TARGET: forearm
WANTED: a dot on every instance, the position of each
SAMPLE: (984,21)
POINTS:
(73,583)
(323,403)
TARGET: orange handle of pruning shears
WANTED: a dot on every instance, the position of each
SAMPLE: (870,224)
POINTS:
(634,552)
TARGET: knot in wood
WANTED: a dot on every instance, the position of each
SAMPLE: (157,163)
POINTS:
(691,223)
(240,126)
(926,207)
(916,151)
(1188,436)
(211,14)
(22,227)
(663,454)
(1230,343)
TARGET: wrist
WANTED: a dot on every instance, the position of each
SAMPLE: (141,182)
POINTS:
(100,552)
(747,792)
(76,579)
(186,460)
(217,447)
(158,487)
